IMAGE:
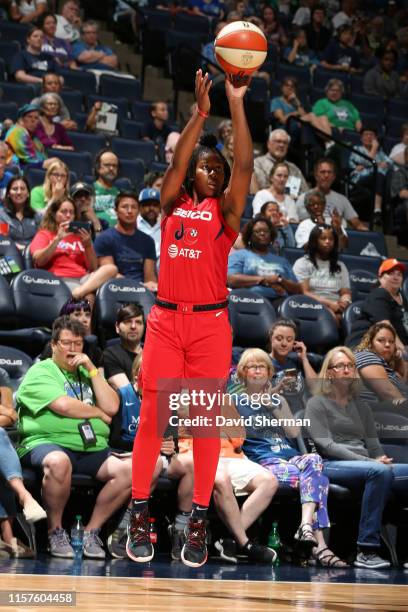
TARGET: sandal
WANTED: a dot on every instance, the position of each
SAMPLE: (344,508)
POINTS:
(305,535)
(327,558)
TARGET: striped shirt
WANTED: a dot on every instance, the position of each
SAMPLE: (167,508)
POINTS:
(369,358)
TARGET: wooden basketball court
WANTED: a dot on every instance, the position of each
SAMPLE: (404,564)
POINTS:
(188,595)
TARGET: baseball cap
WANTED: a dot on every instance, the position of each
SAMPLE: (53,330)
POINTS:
(80,186)
(390,264)
(149,193)
(27,108)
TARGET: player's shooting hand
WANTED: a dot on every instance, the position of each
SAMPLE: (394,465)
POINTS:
(202,87)
(236,85)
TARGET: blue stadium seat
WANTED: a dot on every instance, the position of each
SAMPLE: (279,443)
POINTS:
(120,102)
(360,262)
(17,92)
(362,283)
(11,31)
(140,111)
(73,100)
(248,212)
(8,49)
(123,184)
(158,166)
(292,254)
(357,241)
(156,19)
(374,121)
(81,80)
(92,143)
(7,308)
(251,315)
(392,430)
(316,93)
(2,70)
(321,76)
(132,169)
(131,129)
(368,104)
(192,23)
(134,149)
(316,325)
(357,84)
(398,108)
(36,176)
(301,73)
(8,110)
(389,143)
(16,363)
(351,314)
(393,125)
(79,162)
(117,87)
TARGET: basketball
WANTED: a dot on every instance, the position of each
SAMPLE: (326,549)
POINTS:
(240,48)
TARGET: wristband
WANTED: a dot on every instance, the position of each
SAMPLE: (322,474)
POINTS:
(202,113)
(94,372)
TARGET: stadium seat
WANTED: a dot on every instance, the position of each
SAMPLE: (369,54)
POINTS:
(8,110)
(132,169)
(398,108)
(7,308)
(316,325)
(362,283)
(374,121)
(131,129)
(91,143)
(248,212)
(124,184)
(17,92)
(36,176)
(114,294)
(251,315)
(292,254)
(2,70)
(405,288)
(393,126)
(16,363)
(8,49)
(368,104)
(389,143)
(11,31)
(357,241)
(80,80)
(360,262)
(357,84)
(28,258)
(321,76)
(73,100)
(117,87)
(192,23)
(158,167)
(79,162)
(11,261)
(284,70)
(140,111)
(392,430)
(350,315)
(134,149)
(156,19)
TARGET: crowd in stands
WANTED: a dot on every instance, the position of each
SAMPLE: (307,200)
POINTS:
(99,220)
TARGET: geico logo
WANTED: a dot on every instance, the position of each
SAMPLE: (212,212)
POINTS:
(204,215)
(116,288)
(246,300)
(294,304)
(40,281)
(11,362)
(363,279)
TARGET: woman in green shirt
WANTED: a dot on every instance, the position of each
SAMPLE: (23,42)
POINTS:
(55,187)
(341,113)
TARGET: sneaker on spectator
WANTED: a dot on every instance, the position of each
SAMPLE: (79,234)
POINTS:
(116,542)
(93,545)
(257,553)
(194,552)
(138,546)
(371,561)
(227,549)
(59,545)
(178,539)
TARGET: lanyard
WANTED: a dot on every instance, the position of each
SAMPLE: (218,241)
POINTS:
(72,387)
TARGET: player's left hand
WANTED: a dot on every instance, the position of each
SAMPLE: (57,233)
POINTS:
(236,85)
(202,87)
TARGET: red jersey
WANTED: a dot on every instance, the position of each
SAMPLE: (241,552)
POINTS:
(195,243)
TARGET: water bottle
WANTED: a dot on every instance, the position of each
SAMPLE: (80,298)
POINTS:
(77,537)
(153,531)
(274,541)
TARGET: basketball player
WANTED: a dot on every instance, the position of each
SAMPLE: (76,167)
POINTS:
(188,333)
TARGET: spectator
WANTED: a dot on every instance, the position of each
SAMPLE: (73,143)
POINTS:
(106,172)
(22,220)
(153,179)
(89,54)
(341,113)
(129,249)
(208,8)
(69,22)
(27,11)
(276,192)
(54,398)
(398,150)
(255,267)
(315,204)
(362,171)
(82,195)
(24,147)
(58,48)
(278,144)
(148,220)
(385,303)
(69,254)
(382,369)
(399,189)
(49,130)
(345,435)
(158,129)
(275,450)
(325,172)
(285,236)
(228,152)
(55,187)
(273,29)
(118,359)
(30,64)
(318,36)
(5,175)
(11,478)
(340,54)
(170,146)
(382,80)
(346,16)
(303,14)
(299,53)
(52,83)
(322,276)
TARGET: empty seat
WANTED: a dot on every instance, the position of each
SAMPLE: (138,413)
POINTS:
(92,143)
(362,283)
(393,126)
(134,149)
(73,100)
(316,325)
(131,129)
(141,111)
(2,70)
(8,110)
(357,241)
(117,87)
(17,92)
(368,104)
(11,31)
(360,262)
(392,430)
(132,169)
(8,49)
(81,80)
(192,23)
(283,70)
(16,363)
(351,314)
(79,162)
(156,19)
(398,108)
(356,84)
(251,316)
(321,76)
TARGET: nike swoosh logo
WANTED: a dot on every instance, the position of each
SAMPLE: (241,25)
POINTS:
(219,313)
(129,403)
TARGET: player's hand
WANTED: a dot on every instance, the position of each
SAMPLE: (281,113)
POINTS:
(236,85)
(202,87)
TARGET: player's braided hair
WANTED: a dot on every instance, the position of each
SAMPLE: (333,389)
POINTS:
(207,144)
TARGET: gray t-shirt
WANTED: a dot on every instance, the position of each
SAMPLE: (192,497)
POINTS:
(321,281)
(333,200)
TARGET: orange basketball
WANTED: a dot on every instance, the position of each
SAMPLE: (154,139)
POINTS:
(240,48)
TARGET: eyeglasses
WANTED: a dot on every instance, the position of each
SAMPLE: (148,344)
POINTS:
(78,344)
(282,142)
(254,368)
(58,175)
(342,367)
(109,164)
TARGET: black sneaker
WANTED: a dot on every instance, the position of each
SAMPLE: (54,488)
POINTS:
(257,553)
(116,541)
(178,539)
(194,552)
(227,549)
(138,545)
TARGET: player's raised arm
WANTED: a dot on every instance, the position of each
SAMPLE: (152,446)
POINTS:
(176,172)
(238,187)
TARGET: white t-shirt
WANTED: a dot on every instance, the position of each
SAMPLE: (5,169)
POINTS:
(333,200)
(66,30)
(321,282)
(26,8)
(287,207)
(302,16)
(341,19)
(397,149)
(305,227)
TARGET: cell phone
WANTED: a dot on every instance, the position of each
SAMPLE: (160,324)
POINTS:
(290,372)
(75,226)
